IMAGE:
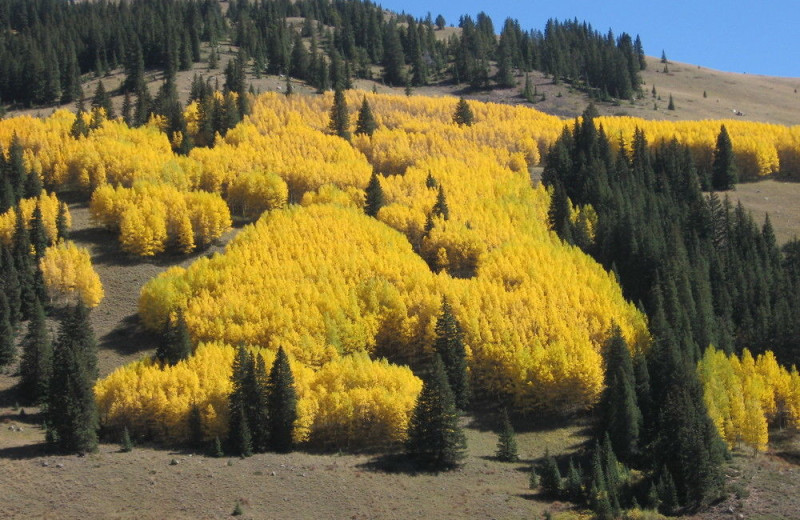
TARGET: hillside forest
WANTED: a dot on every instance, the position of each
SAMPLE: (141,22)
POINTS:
(402,260)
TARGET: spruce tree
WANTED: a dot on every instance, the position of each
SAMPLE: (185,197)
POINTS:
(339,116)
(366,121)
(449,346)
(440,208)
(238,430)
(550,476)
(125,444)
(8,346)
(435,439)
(281,404)
(506,441)
(671,105)
(71,408)
(622,419)
(558,214)
(176,343)
(38,234)
(33,185)
(374,200)
(724,173)
(37,358)
(102,100)
(195,422)
(573,487)
(463,115)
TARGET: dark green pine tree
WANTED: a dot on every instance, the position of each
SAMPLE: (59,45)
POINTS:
(195,422)
(507,440)
(8,345)
(16,167)
(671,104)
(440,208)
(33,185)
(71,410)
(62,225)
(622,419)
(449,346)
(239,438)
(435,439)
(101,99)
(573,486)
(724,173)
(38,234)
(257,391)
(366,121)
(463,115)
(666,493)
(394,68)
(36,365)
(10,284)
(23,263)
(79,127)
(339,116)
(558,215)
(281,404)
(176,343)
(550,476)
(373,200)
(238,429)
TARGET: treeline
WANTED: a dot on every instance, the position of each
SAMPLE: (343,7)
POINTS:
(340,40)
(46,45)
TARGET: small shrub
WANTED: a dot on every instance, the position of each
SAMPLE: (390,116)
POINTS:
(125,444)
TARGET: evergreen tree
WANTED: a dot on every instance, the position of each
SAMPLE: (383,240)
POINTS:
(550,476)
(449,346)
(724,174)
(374,199)
(506,441)
(62,227)
(440,208)
(125,443)
(339,116)
(195,421)
(281,404)
(622,419)
(11,284)
(239,440)
(71,408)
(559,212)
(102,100)
(8,346)
(435,440)
(573,486)
(176,344)
(38,234)
(366,121)
(33,185)
(671,104)
(463,115)
(37,358)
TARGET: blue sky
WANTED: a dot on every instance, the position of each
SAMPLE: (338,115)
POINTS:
(756,37)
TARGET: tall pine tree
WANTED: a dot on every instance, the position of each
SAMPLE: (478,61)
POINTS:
(435,439)
(71,408)
(449,346)
(281,404)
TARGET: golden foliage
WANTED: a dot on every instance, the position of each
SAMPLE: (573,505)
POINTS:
(744,395)
(152,218)
(48,204)
(350,402)
(68,274)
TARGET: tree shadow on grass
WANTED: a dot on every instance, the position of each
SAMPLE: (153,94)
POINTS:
(25,452)
(128,337)
(395,463)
